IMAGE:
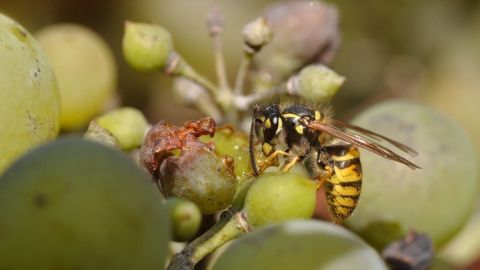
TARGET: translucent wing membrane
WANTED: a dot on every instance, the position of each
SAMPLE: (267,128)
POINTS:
(338,129)
(375,136)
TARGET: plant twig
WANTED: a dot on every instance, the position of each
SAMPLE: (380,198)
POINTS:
(177,66)
(242,73)
(244,102)
(215,22)
(184,259)
(235,227)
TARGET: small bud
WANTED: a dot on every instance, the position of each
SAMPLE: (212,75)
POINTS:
(186,218)
(256,34)
(96,133)
(316,82)
(127,124)
(147,47)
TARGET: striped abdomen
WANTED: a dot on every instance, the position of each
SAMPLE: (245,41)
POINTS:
(344,187)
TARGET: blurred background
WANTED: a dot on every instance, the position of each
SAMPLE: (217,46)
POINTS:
(423,50)
(427,51)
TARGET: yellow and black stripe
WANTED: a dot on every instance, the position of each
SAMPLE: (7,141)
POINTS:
(344,187)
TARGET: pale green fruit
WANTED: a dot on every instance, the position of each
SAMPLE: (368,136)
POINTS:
(437,199)
(465,247)
(75,204)
(29,101)
(127,124)
(299,245)
(146,47)
(279,196)
(85,69)
(186,218)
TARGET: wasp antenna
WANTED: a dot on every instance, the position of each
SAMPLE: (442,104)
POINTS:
(251,143)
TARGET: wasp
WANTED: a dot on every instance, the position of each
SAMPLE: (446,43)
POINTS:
(329,147)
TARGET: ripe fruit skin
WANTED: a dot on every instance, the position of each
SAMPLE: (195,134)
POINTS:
(437,199)
(29,100)
(85,69)
(299,244)
(74,204)
(278,196)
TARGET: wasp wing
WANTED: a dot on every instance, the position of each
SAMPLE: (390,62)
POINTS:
(360,141)
(374,135)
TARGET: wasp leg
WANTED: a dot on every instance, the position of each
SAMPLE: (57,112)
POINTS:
(271,159)
(290,163)
(329,171)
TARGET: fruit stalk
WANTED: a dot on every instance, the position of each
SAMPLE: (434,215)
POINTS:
(223,231)
(235,227)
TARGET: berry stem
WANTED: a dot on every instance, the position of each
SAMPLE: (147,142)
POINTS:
(215,22)
(242,73)
(235,227)
(177,66)
(243,102)
(231,225)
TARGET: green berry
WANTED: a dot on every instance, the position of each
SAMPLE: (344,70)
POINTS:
(29,100)
(74,204)
(146,47)
(298,245)
(437,199)
(127,124)
(85,69)
(186,218)
(279,196)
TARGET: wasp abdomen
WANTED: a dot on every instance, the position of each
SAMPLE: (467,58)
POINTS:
(344,187)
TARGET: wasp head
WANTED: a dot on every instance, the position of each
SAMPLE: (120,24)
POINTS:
(266,123)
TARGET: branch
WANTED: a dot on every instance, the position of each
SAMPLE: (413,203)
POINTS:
(215,23)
